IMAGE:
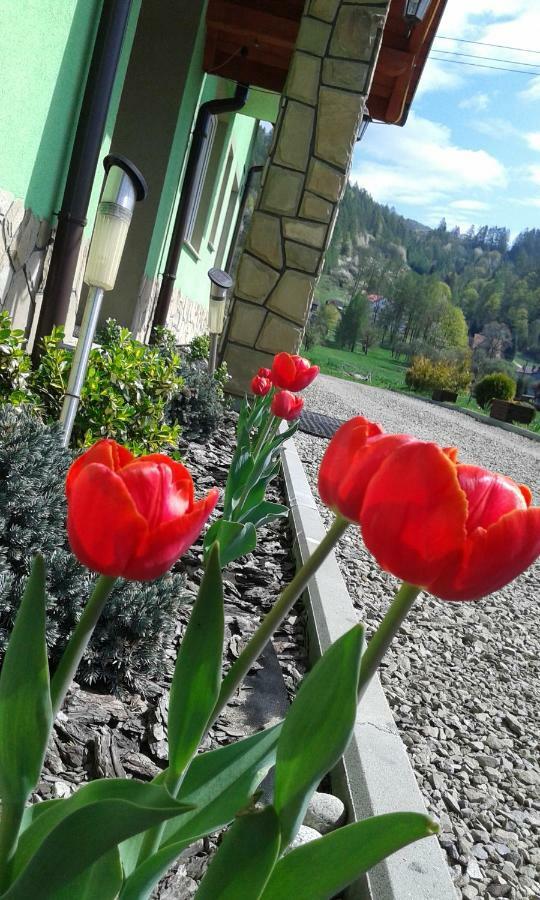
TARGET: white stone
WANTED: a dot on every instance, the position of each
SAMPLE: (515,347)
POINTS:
(305,836)
(6,199)
(6,274)
(34,270)
(13,220)
(325,813)
(19,303)
(24,241)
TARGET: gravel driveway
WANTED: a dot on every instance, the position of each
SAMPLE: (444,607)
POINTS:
(463,679)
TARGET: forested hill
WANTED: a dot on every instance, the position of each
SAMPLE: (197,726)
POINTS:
(490,280)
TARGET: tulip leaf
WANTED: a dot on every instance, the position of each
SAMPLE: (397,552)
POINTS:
(72,835)
(245,859)
(197,675)
(234,538)
(324,867)
(317,729)
(25,700)
(219,783)
(103,880)
(264,513)
(239,472)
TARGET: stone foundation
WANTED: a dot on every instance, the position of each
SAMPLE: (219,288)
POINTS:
(186,318)
(303,182)
(24,242)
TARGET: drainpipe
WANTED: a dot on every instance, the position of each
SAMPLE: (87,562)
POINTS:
(82,167)
(198,141)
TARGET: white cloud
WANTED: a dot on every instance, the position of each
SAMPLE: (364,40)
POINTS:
(498,128)
(438,77)
(534,174)
(532,91)
(533,139)
(476,102)
(420,165)
(469,204)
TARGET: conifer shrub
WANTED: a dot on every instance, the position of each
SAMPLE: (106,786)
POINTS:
(497,386)
(138,623)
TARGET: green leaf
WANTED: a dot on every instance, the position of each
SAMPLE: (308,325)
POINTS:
(72,835)
(197,674)
(263,513)
(324,867)
(244,860)
(219,783)
(234,538)
(239,472)
(103,880)
(25,700)
(317,729)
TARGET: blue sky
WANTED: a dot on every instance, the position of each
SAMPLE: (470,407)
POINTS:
(470,150)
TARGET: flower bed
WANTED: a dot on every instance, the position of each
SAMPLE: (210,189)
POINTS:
(437,524)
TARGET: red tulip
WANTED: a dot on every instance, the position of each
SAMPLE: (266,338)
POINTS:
(460,532)
(132,517)
(293,373)
(260,385)
(265,373)
(352,457)
(286,406)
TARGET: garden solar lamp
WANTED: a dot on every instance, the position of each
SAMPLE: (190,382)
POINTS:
(221,282)
(124,186)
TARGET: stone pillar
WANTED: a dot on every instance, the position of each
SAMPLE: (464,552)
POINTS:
(303,182)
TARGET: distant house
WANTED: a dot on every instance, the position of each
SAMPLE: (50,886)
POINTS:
(378,302)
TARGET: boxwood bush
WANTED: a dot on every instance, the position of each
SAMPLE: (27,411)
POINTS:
(138,624)
(497,386)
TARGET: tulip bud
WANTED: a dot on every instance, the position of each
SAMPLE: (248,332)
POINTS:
(260,385)
(286,405)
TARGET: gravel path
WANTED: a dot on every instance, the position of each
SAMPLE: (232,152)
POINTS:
(463,679)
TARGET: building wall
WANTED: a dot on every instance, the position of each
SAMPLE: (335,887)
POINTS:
(45,49)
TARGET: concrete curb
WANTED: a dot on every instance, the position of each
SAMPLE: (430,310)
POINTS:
(375,775)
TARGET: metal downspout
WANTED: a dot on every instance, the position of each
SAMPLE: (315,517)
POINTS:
(82,167)
(200,134)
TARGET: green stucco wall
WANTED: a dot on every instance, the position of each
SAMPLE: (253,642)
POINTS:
(45,48)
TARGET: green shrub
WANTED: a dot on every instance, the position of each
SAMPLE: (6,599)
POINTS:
(138,624)
(497,386)
(198,406)
(487,366)
(428,375)
(198,348)
(14,362)
(126,390)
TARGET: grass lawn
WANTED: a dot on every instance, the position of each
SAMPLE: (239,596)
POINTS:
(386,372)
(327,289)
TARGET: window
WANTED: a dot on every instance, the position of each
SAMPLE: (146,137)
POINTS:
(209,166)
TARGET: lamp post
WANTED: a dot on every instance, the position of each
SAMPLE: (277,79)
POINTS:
(415,10)
(124,186)
(221,282)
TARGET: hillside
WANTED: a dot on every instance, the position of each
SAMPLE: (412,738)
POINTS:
(373,248)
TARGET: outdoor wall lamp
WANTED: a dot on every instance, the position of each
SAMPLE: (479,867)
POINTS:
(124,186)
(415,11)
(221,282)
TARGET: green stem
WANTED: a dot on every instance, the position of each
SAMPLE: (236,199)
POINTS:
(10,824)
(387,630)
(275,617)
(78,641)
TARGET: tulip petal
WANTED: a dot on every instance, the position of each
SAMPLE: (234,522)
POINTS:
(154,492)
(348,440)
(166,543)
(104,527)
(283,370)
(489,496)
(414,513)
(106,452)
(493,557)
